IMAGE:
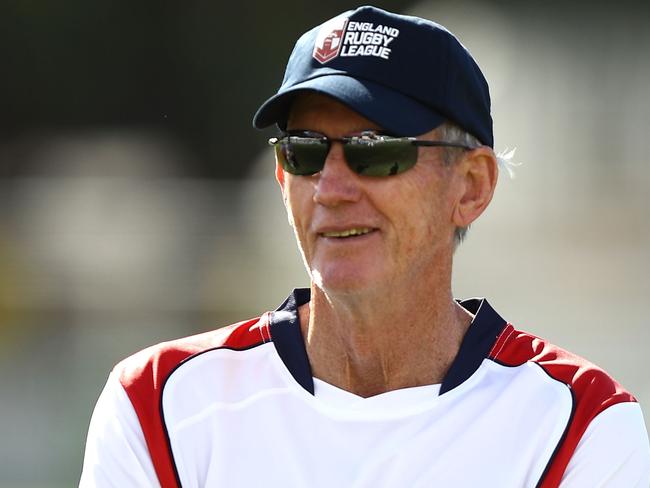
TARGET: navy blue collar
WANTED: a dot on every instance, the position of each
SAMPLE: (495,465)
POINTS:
(476,345)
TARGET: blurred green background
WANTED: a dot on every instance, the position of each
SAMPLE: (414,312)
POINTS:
(137,203)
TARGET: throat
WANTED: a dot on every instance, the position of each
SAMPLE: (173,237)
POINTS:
(384,377)
(370,358)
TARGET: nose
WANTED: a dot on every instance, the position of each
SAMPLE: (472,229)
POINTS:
(337,183)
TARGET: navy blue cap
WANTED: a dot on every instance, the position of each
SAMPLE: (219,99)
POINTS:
(406,74)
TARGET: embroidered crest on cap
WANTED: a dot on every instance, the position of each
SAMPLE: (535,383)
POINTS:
(339,37)
(328,40)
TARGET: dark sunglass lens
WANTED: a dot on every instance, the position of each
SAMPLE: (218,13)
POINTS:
(381,158)
(302,155)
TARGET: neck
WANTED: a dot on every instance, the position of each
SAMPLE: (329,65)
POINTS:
(380,342)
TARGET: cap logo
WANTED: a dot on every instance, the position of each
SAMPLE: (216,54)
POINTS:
(339,37)
(328,40)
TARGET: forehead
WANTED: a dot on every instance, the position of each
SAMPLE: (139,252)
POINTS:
(315,111)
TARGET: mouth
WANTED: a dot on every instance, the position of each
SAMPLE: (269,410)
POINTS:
(347,233)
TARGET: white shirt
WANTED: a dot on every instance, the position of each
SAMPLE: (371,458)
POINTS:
(237,407)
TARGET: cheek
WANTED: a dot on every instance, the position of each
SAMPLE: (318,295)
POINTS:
(431,204)
(298,202)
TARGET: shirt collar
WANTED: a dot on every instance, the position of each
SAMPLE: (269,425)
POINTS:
(475,347)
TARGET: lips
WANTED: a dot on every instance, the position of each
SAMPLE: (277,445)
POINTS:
(349,232)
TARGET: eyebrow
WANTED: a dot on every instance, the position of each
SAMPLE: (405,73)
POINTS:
(379,132)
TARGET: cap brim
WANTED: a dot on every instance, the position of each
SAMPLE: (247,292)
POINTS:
(392,111)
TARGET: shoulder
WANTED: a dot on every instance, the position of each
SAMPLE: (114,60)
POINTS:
(594,393)
(587,381)
(150,367)
(144,374)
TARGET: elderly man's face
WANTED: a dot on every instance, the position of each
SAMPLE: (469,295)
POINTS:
(404,221)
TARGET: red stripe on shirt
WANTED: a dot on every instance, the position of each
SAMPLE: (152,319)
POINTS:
(593,389)
(143,376)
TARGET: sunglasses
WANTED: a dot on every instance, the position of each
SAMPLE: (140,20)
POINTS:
(369,154)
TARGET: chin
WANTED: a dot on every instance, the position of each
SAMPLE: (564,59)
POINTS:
(344,282)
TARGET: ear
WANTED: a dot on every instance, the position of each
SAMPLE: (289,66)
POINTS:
(477,176)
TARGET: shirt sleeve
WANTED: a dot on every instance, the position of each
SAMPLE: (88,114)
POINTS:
(613,452)
(116,451)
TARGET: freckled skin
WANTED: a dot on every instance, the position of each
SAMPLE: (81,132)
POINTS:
(410,211)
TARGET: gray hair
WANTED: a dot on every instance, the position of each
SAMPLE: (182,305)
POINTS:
(451,132)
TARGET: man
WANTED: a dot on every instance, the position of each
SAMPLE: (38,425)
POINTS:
(375,376)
